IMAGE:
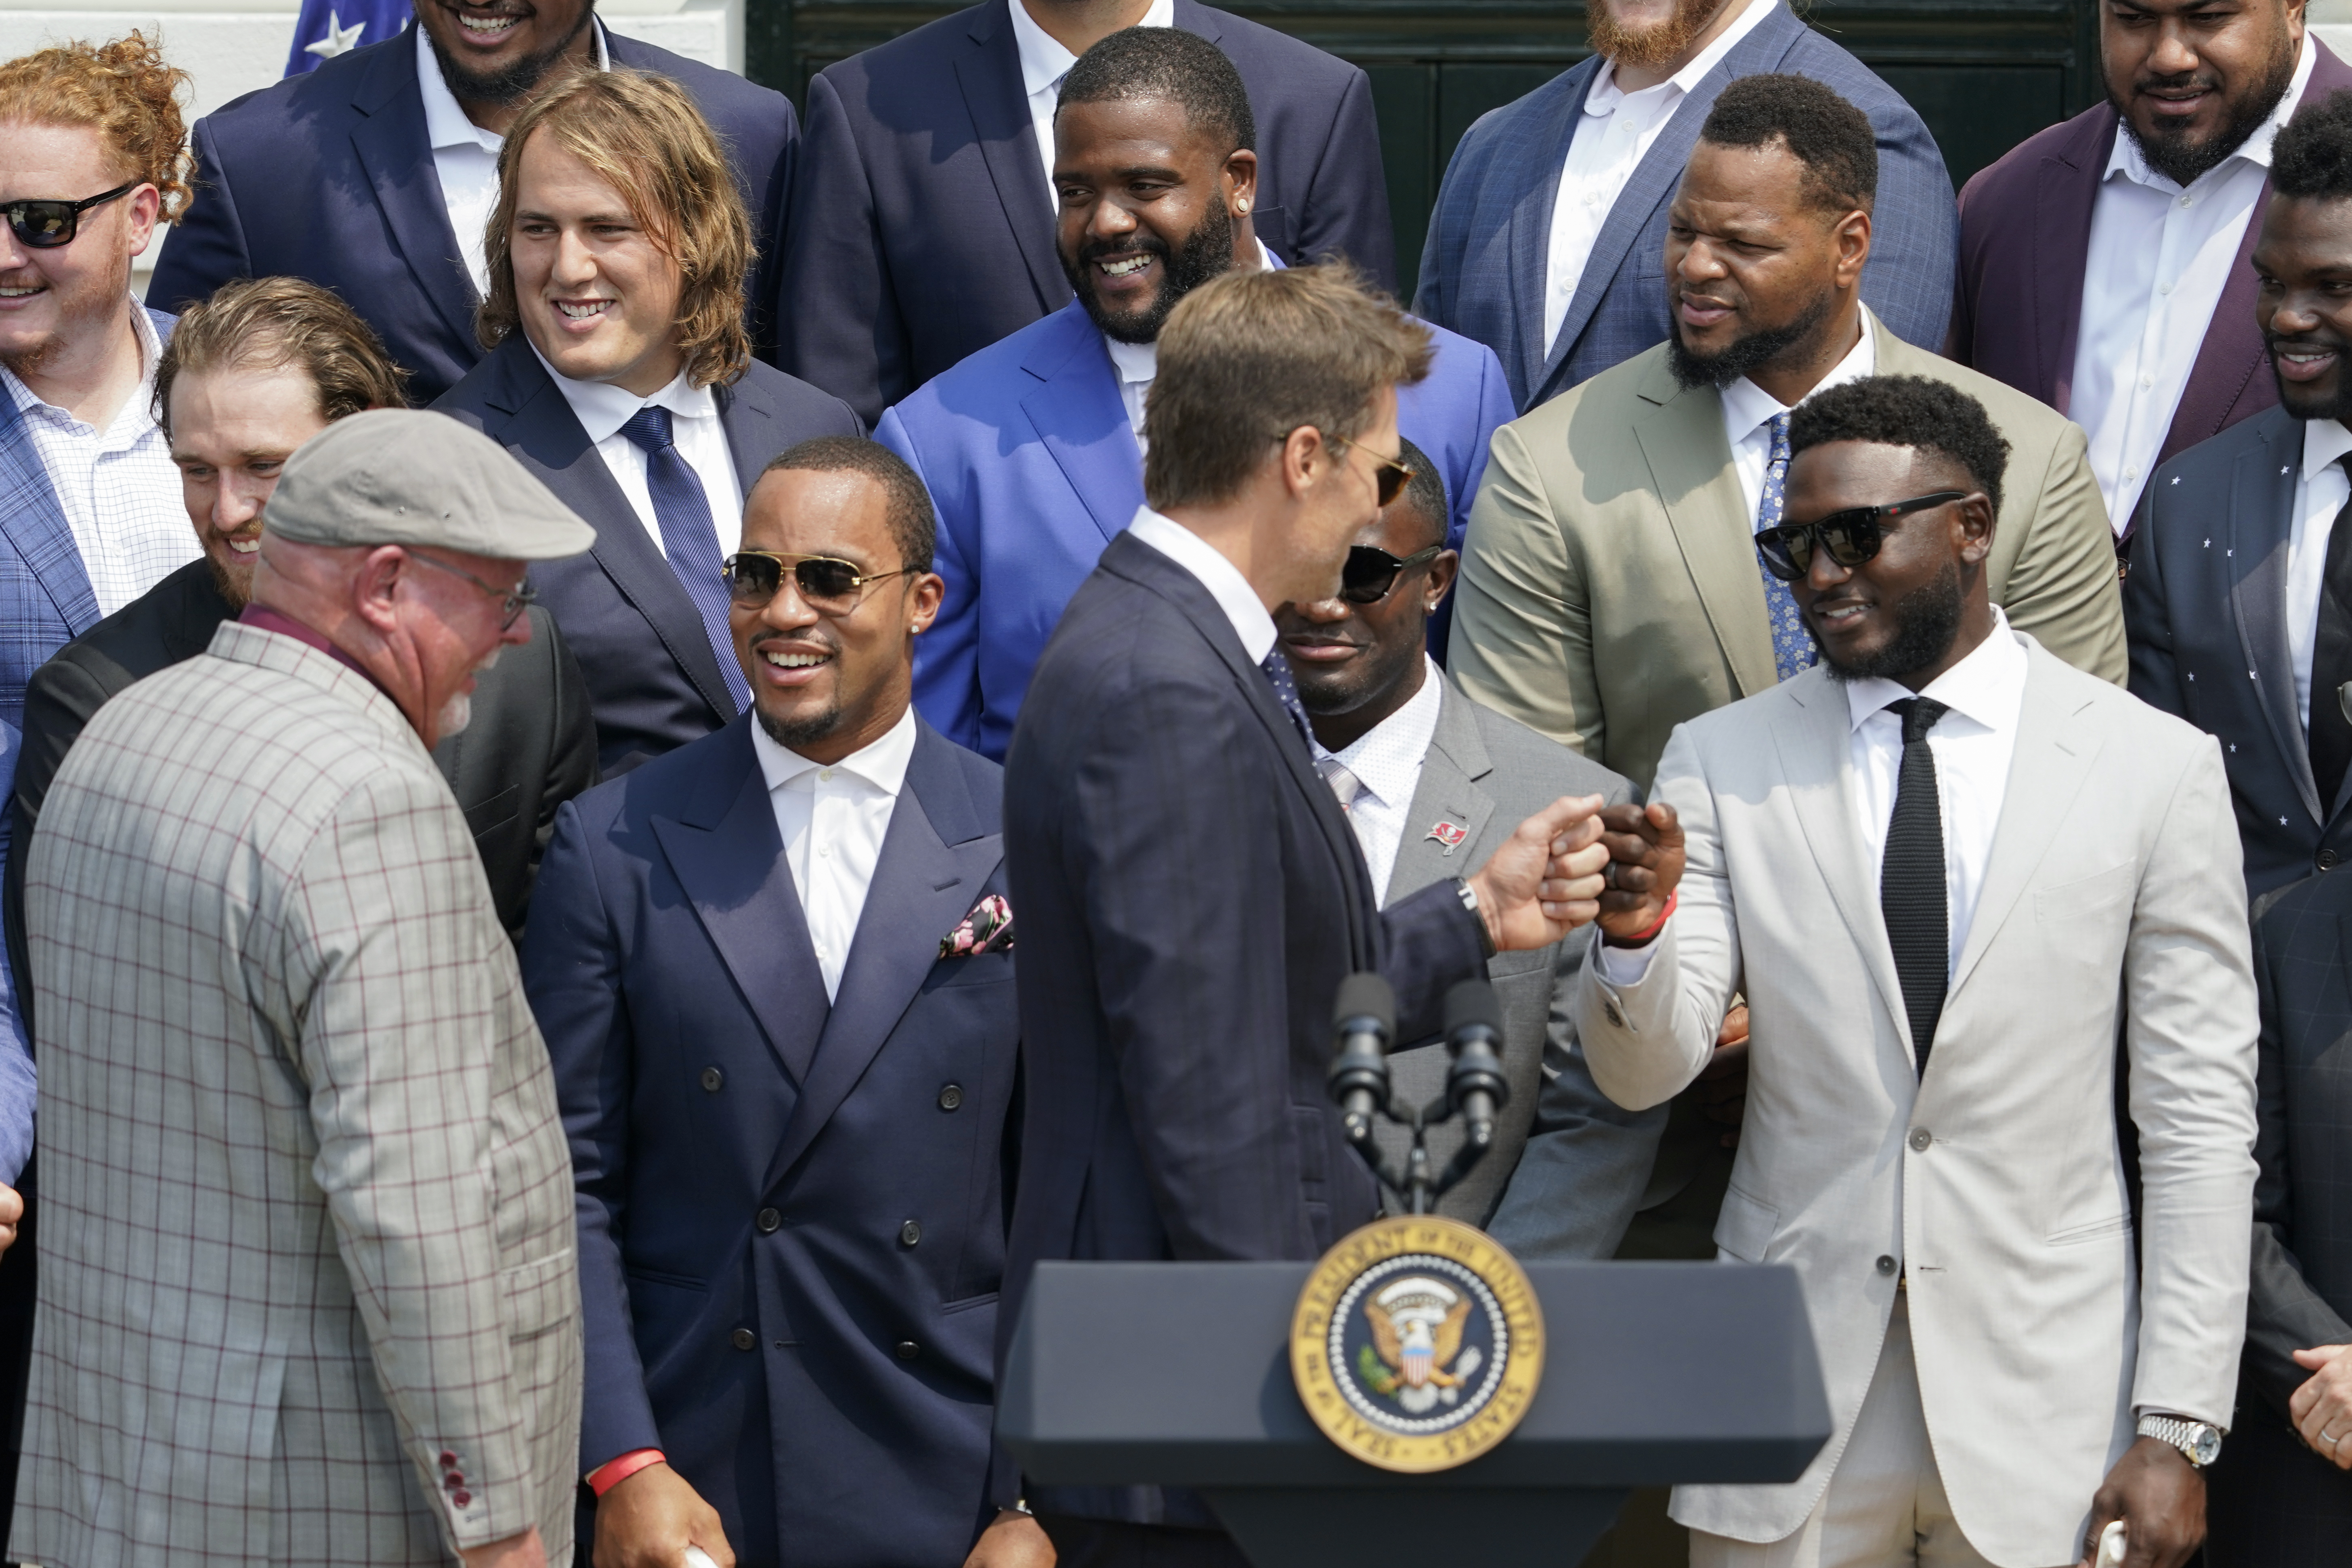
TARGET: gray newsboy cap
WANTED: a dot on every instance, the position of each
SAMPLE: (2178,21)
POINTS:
(401,476)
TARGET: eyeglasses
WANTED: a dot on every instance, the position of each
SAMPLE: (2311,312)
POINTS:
(46,224)
(826,585)
(1371,573)
(1851,536)
(1391,473)
(517,599)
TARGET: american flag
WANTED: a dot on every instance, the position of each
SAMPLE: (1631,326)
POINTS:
(330,28)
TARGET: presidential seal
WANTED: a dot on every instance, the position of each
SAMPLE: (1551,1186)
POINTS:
(1417,1344)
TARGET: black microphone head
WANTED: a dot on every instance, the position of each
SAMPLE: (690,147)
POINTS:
(1473,1003)
(1366,995)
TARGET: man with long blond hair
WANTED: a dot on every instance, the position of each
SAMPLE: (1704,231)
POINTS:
(620,373)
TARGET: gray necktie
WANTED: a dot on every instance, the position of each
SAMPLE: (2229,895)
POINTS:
(1344,784)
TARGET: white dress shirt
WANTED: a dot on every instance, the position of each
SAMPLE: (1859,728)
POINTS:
(117,487)
(603,408)
(1386,760)
(2321,491)
(1748,412)
(1221,577)
(2159,258)
(1612,134)
(465,156)
(1972,745)
(1043,64)
(833,820)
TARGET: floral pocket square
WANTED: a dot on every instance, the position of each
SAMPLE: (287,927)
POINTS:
(987,929)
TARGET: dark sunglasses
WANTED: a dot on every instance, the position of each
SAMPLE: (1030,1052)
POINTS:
(826,585)
(1851,536)
(1371,573)
(516,600)
(45,224)
(1391,473)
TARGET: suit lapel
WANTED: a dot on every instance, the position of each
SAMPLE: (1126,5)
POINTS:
(1078,415)
(35,524)
(750,421)
(2253,562)
(542,426)
(1448,792)
(395,148)
(728,856)
(2065,188)
(1530,236)
(935,861)
(990,74)
(1816,756)
(1690,466)
(2051,763)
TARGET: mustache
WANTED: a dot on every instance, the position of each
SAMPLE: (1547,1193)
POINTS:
(2202,82)
(2272,342)
(1142,240)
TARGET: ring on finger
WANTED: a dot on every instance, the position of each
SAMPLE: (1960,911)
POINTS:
(1609,874)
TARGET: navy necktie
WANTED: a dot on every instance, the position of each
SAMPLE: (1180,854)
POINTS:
(683,509)
(1792,646)
(2329,735)
(1277,674)
(1911,879)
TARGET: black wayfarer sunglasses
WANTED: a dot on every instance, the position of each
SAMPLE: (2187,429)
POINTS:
(827,585)
(46,224)
(1371,572)
(1851,536)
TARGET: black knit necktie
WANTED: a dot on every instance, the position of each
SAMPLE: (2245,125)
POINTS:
(2331,666)
(1911,879)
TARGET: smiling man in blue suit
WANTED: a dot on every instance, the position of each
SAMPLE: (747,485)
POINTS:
(774,970)
(1033,448)
(373,176)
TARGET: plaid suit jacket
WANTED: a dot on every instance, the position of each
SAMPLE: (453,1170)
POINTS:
(307,1290)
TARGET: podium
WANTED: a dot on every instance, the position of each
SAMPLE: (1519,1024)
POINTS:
(1178,1374)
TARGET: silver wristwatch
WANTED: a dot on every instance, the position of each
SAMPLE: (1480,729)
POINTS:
(2200,1442)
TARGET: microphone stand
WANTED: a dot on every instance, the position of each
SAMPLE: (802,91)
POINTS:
(1474,1087)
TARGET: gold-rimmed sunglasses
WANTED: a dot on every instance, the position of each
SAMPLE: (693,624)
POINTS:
(826,585)
(1391,473)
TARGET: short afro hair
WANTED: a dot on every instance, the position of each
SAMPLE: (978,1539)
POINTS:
(1171,64)
(1822,131)
(911,525)
(2311,158)
(1906,410)
(1424,494)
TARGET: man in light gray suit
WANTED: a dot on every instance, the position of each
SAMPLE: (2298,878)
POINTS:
(1950,873)
(1431,782)
(308,1288)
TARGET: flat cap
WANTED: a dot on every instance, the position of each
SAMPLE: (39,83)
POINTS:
(401,476)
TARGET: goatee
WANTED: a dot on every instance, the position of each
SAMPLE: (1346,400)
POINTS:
(1745,356)
(2181,160)
(791,734)
(508,85)
(1207,252)
(1647,47)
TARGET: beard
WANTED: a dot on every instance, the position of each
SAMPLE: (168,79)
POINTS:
(456,714)
(1645,48)
(1745,356)
(2299,400)
(2181,160)
(234,586)
(1926,619)
(791,734)
(508,85)
(1207,252)
(86,308)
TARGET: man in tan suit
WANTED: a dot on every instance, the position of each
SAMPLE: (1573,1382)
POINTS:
(1950,873)
(308,1291)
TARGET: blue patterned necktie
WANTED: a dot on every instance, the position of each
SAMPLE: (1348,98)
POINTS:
(1277,674)
(1792,646)
(683,509)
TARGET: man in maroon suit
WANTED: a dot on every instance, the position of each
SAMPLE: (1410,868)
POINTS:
(2103,263)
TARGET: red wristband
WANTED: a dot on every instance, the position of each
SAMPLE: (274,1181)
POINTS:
(613,1472)
(1656,926)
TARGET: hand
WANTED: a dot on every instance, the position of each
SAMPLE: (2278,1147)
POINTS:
(2322,1407)
(648,1519)
(524,1551)
(1723,1081)
(12,1211)
(1543,881)
(1645,862)
(1013,1541)
(2160,1498)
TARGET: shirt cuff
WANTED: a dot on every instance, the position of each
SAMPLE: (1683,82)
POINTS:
(1622,966)
(613,1472)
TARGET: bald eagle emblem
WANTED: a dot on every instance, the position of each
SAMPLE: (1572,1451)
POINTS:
(1416,1356)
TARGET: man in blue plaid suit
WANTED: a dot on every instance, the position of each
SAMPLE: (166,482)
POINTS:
(1548,241)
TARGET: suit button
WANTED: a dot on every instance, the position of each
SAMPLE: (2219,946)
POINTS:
(743,1339)
(908,1350)
(951,1096)
(463,1500)
(769,1221)
(1886,1264)
(712,1078)
(911,1232)
(1920,1139)
(2327,860)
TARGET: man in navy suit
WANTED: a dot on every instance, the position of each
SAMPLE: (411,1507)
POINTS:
(1190,892)
(922,225)
(623,380)
(1032,448)
(373,173)
(1550,237)
(774,969)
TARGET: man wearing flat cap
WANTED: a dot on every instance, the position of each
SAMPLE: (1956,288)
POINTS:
(307,1290)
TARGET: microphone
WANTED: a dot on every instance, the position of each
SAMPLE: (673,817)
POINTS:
(1474,1084)
(1364,1019)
